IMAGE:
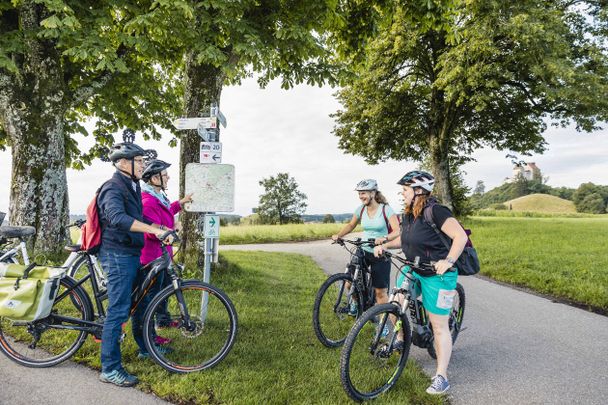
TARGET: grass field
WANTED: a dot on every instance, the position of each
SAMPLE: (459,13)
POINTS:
(238,235)
(276,358)
(541,203)
(562,257)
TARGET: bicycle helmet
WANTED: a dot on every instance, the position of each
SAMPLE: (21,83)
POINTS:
(418,178)
(367,185)
(125,150)
(153,168)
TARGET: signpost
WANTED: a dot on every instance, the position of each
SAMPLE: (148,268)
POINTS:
(210,154)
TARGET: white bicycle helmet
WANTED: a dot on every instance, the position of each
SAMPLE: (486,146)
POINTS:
(418,178)
(367,185)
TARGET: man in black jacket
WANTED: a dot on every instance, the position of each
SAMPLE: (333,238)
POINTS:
(122,224)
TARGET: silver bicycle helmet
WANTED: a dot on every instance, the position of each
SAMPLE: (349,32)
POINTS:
(367,185)
(418,178)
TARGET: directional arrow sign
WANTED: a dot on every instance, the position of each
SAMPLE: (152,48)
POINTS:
(212,226)
(193,123)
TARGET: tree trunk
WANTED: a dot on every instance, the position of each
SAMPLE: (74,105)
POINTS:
(203,86)
(440,165)
(32,109)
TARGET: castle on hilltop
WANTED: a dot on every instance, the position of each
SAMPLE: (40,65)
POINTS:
(527,170)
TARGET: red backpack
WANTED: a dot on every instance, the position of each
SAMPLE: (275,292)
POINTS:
(91,230)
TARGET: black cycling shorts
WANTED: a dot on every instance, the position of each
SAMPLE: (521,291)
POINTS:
(381,270)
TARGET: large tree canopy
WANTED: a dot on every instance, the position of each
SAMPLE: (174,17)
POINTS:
(226,41)
(439,79)
(62,61)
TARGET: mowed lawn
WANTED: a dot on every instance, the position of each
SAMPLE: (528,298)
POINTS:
(241,234)
(277,358)
(562,257)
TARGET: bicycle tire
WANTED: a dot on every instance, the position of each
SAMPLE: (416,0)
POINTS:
(58,344)
(365,372)
(210,340)
(455,321)
(325,313)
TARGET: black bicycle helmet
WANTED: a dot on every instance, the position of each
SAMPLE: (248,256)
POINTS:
(154,167)
(125,150)
(418,178)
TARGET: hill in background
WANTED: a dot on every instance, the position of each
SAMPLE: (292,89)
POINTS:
(541,203)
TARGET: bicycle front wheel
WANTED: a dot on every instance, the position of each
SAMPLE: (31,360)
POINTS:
(49,341)
(200,335)
(335,310)
(372,358)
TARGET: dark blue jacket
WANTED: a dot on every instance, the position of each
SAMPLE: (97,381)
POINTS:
(119,203)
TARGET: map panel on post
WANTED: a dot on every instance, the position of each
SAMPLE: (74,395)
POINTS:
(212,186)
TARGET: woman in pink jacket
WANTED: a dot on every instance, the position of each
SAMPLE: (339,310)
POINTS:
(158,209)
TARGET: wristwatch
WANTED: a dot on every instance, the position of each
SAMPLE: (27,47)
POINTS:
(385,240)
(450,260)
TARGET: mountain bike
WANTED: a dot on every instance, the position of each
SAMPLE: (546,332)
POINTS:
(201,337)
(343,296)
(371,363)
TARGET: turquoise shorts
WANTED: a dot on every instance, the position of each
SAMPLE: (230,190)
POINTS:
(438,292)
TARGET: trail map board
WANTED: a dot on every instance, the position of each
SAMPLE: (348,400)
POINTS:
(212,185)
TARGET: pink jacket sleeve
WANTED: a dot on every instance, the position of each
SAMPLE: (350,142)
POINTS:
(175,207)
(151,212)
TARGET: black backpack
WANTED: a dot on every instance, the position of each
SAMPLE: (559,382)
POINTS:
(468,262)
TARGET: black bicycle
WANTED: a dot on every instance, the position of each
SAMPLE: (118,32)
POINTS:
(372,360)
(203,319)
(343,297)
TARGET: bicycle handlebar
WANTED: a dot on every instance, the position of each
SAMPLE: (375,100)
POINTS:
(356,242)
(79,223)
(166,235)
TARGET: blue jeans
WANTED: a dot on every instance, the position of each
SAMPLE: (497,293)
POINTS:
(122,271)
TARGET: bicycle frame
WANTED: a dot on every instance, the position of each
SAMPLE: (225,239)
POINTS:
(153,268)
(17,248)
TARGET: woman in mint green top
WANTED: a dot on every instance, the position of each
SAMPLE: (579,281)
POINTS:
(375,216)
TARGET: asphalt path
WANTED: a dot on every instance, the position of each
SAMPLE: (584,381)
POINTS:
(66,384)
(516,347)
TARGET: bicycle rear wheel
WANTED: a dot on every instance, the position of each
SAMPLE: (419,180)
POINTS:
(455,321)
(331,317)
(370,364)
(202,343)
(45,342)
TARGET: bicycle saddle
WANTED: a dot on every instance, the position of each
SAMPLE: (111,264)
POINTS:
(17,231)
(72,248)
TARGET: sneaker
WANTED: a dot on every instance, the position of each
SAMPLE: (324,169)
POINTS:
(398,345)
(439,385)
(385,331)
(161,341)
(162,350)
(353,310)
(119,377)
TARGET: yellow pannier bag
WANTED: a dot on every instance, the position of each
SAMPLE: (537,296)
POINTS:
(27,292)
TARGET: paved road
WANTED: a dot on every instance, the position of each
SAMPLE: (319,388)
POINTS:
(517,348)
(65,384)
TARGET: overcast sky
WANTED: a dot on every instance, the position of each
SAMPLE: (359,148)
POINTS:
(273,130)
